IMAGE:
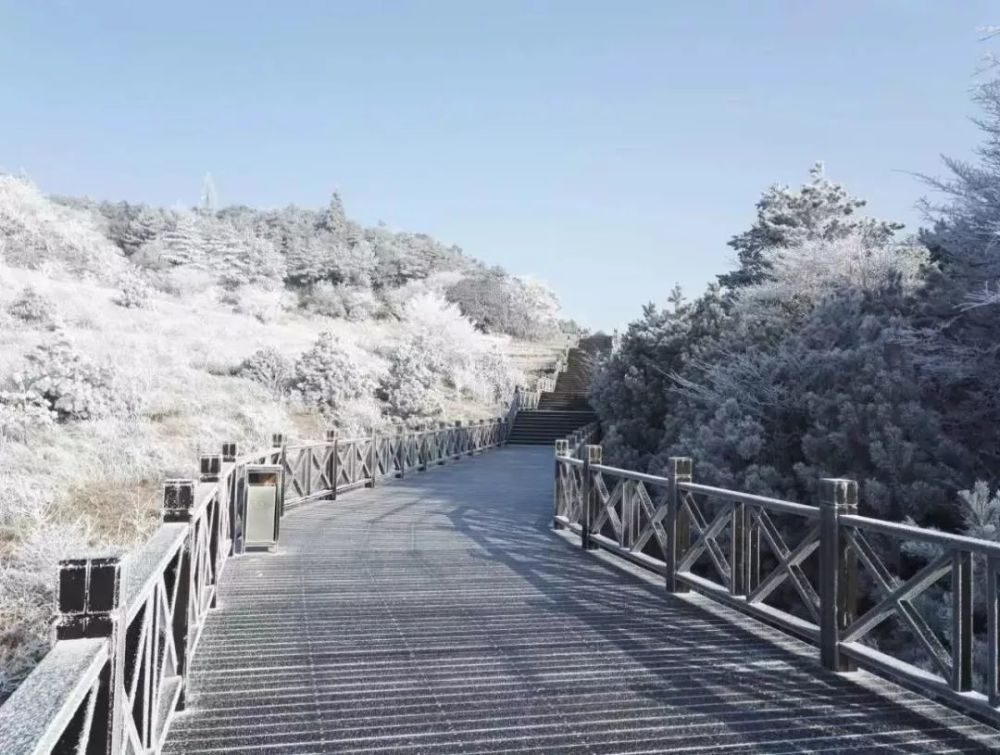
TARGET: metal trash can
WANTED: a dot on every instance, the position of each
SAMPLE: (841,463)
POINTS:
(261,506)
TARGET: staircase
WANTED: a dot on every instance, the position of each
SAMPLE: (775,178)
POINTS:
(560,411)
(543,427)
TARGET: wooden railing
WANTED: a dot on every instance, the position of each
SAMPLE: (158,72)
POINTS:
(127,627)
(794,566)
(312,468)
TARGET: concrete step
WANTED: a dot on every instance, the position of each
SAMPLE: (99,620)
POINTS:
(544,426)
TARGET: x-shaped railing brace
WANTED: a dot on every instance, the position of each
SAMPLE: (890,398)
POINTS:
(898,597)
(789,564)
(706,541)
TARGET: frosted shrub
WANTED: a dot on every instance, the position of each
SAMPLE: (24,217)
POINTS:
(408,387)
(352,303)
(183,281)
(395,301)
(501,303)
(269,368)
(806,272)
(455,353)
(134,291)
(35,231)
(72,385)
(819,211)
(261,303)
(981,512)
(330,376)
(495,378)
(23,413)
(27,582)
(33,308)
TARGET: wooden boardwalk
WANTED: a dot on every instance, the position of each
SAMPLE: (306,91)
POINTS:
(440,614)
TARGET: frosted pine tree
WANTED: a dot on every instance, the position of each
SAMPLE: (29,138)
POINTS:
(141,227)
(820,209)
(333,220)
(181,243)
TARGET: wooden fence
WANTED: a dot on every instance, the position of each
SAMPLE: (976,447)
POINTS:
(127,627)
(794,566)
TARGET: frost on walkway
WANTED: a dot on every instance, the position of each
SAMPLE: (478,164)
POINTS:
(439,614)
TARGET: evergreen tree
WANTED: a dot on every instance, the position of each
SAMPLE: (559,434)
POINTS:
(182,241)
(334,220)
(137,226)
(821,209)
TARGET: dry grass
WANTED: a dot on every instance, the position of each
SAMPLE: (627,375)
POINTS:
(96,484)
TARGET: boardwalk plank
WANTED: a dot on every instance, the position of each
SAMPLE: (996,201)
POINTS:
(438,614)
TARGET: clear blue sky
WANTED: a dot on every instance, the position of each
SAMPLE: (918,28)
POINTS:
(610,148)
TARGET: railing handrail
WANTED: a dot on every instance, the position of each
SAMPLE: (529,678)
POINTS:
(175,575)
(148,563)
(926,535)
(771,504)
(40,709)
(671,534)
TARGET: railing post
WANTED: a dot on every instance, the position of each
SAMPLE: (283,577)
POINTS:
(456,446)
(332,463)
(591,455)
(230,451)
(91,605)
(210,470)
(442,436)
(837,570)
(677,525)
(373,460)
(626,512)
(278,442)
(740,549)
(422,448)
(210,467)
(401,450)
(992,630)
(557,487)
(961,621)
(178,508)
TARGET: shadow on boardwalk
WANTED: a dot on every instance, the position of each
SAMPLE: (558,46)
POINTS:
(439,614)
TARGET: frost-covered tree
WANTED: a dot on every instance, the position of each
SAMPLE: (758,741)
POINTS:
(37,232)
(633,389)
(331,375)
(459,357)
(841,395)
(309,259)
(269,368)
(819,210)
(500,303)
(180,243)
(138,228)
(33,308)
(333,219)
(354,303)
(73,386)
(403,257)
(134,291)
(960,300)
(249,260)
(408,386)
(818,366)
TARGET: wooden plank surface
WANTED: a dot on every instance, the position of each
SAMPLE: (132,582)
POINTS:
(439,614)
